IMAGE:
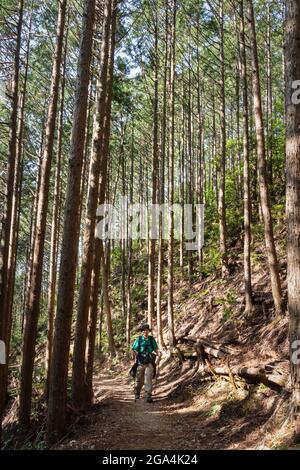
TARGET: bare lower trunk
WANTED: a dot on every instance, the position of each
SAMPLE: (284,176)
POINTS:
(262,170)
(61,344)
(292,72)
(55,233)
(171,89)
(106,304)
(269,102)
(98,247)
(222,207)
(129,249)
(151,259)
(5,258)
(33,303)
(247,198)
(78,373)
(160,262)
(92,324)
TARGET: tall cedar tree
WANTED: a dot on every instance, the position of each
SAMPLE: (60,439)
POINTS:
(292,61)
(7,223)
(89,230)
(57,406)
(34,293)
(262,167)
(98,251)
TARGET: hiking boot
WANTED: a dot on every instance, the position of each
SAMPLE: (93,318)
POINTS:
(149,400)
(137,395)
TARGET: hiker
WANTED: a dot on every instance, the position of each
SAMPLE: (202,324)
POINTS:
(145,351)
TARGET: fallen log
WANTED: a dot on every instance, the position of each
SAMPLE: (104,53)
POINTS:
(192,353)
(254,375)
(214,345)
(201,348)
(212,349)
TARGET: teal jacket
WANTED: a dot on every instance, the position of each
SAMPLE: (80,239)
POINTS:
(146,345)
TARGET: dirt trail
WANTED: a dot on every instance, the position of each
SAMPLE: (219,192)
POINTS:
(213,419)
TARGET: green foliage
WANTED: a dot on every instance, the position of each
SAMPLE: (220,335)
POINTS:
(40,445)
(229,304)
(215,409)
(211,260)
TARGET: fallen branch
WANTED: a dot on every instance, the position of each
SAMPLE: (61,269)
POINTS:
(212,348)
(68,431)
(231,376)
(200,345)
(254,375)
(211,370)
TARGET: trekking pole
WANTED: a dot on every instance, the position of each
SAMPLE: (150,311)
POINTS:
(133,381)
(157,372)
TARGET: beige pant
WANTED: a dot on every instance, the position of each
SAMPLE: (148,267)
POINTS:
(144,375)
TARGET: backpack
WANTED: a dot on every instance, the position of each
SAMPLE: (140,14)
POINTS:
(133,369)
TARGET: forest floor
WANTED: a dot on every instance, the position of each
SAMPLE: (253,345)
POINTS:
(186,414)
(189,412)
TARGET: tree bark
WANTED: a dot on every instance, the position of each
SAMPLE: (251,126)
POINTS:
(262,170)
(221,205)
(78,374)
(33,301)
(247,197)
(292,74)
(5,267)
(106,301)
(171,149)
(189,171)
(55,230)
(129,250)
(269,102)
(98,250)
(56,418)
(162,194)
(152,243)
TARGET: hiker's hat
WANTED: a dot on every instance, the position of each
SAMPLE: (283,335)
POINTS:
(145,326)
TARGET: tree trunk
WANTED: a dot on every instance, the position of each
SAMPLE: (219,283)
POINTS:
(247,197)
(171,91)
(162,196)
(262,170)
(189,162)
(124,215)
(78,389)
(33,303)
(106,302)
(92,325)
(129,250)
(152,243)
(99,255)
(5,267)
(269,102)
(222,206)
(14,235)
(182,156)
(55,231)
(61,344)
(292,74)
(201,139)
(104,184)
